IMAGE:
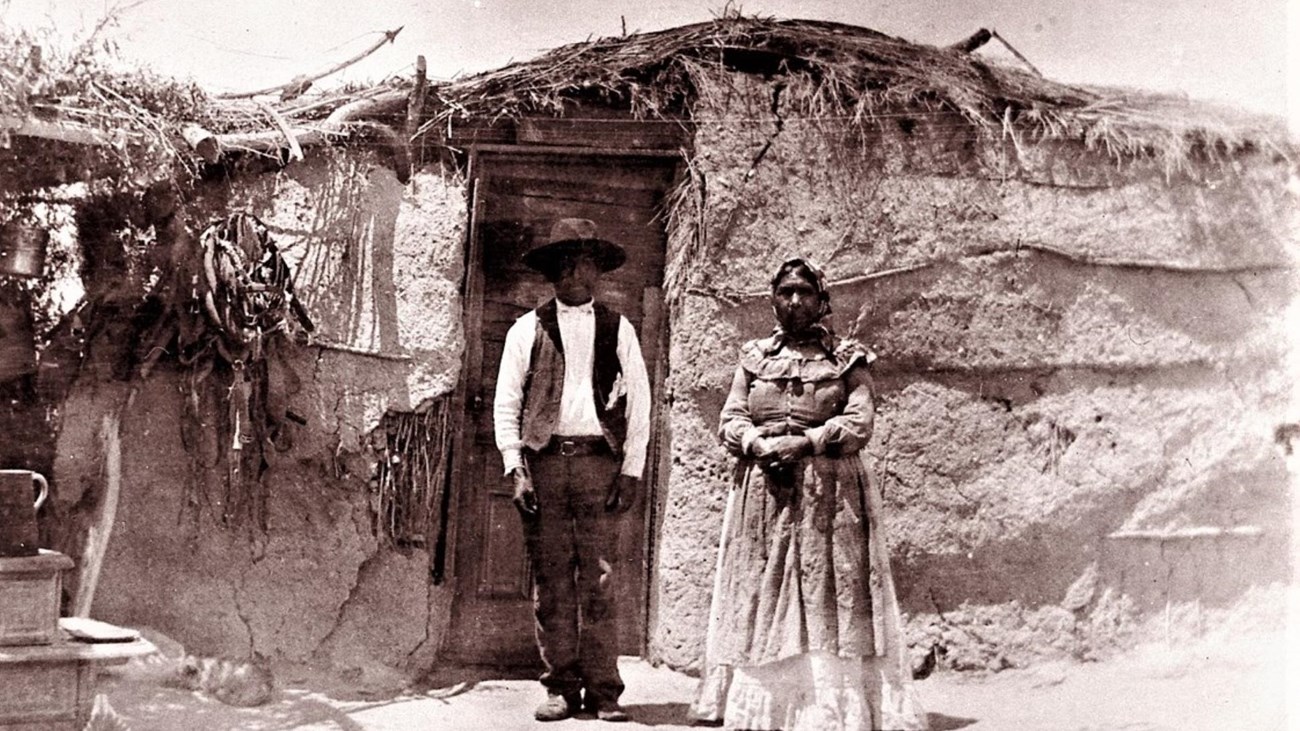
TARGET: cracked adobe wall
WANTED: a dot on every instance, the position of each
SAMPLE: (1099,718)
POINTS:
(379,266)
(1080,348)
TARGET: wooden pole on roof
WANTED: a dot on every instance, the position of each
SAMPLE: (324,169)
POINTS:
(202,141)
(1017,54)
(62,131)
(314,133)
(415,104)
(295,150)
(982,36)
(972,42)
(299,84)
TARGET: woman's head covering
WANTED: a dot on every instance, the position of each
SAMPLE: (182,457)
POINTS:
(845,351)
(813,274)
(820,330)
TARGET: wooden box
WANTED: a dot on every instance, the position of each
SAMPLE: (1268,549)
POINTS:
(47,693)
(30,589)
(52,687)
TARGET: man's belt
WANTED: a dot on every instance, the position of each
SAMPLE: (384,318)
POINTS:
(576,446)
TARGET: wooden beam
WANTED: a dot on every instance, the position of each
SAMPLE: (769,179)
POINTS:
(415,105)
(72,132)
(973,42)
(1240,531)
(202,141)
(336,124)
(577,151)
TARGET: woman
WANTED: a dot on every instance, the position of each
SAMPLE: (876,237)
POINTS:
(804,629)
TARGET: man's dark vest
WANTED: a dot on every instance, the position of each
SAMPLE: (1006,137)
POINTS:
(545,381)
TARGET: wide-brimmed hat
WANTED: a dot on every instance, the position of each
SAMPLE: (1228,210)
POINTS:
(571,236)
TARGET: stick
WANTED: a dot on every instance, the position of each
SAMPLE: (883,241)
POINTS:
(415,106)
(1016,53)
(61,131)
(92,557)
(299,84)
(734,297)
(414,111)
(110,16)
(344,348)
(1240,531)
(974,41)
(295,150)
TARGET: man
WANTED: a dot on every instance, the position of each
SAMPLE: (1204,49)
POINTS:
(572,415)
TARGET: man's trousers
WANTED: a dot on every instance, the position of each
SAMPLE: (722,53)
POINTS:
(571,544)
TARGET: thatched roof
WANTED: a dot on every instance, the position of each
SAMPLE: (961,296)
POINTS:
(856,73)
(848,72)
(857,69)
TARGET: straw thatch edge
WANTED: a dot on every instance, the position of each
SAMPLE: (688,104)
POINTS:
(850,74)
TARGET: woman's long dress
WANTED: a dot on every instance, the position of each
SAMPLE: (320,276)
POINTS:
(804,629)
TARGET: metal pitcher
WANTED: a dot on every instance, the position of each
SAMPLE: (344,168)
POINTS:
(18,510)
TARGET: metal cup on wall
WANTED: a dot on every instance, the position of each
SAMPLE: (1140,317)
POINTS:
(22,250)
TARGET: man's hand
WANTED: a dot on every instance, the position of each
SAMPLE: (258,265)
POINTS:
(621,494)
(782,450)
(525,498)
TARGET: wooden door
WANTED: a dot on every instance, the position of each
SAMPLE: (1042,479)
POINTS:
(517,196)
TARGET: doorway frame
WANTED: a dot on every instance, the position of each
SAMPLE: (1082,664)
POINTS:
(654,311)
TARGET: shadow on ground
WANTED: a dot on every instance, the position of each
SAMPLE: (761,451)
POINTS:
(942,722)
(445,677)
(659,714)
(149,708)
(1224,684)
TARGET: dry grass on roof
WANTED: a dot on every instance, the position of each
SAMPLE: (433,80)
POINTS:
(844,73)
(856,73)
(653,73)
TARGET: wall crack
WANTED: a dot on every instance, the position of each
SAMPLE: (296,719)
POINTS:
(343,606)
(778,124)
(239,611)
(428,619)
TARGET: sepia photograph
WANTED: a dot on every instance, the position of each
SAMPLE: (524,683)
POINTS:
(819,365)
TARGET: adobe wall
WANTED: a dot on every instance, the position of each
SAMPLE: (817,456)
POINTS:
(379,266)
(1082,349)
(1078,349)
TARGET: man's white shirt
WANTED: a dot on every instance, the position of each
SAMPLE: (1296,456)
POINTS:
(577,409)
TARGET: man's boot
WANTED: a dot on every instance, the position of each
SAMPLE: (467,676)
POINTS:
(607,710)
(558,707)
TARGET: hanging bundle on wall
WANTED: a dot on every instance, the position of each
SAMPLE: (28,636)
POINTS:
(411,475)
(247,288)
(230,316)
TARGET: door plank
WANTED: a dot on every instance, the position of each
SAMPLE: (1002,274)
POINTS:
(505,549)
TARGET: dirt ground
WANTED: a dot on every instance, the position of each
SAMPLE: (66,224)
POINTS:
(1238,683)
